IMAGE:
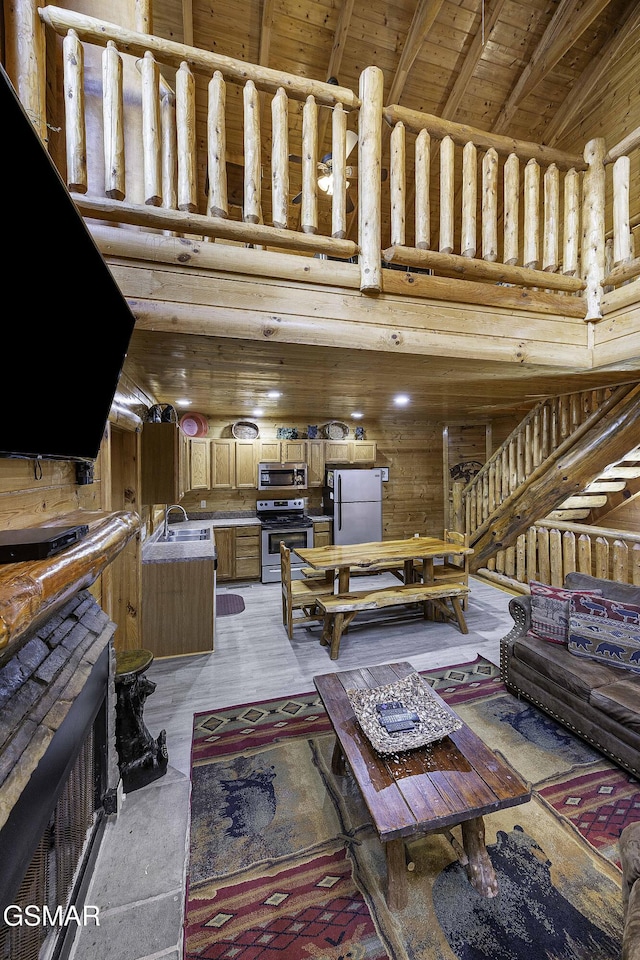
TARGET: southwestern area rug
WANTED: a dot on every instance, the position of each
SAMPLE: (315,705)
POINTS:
(284,862)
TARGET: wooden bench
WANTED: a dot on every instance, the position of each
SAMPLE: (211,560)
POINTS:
(340,609)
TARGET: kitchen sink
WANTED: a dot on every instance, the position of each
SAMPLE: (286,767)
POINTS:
(186,536)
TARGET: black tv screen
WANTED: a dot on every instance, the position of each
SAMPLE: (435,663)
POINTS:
(67,326)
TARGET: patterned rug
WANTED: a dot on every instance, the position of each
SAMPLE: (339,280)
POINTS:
(284,862)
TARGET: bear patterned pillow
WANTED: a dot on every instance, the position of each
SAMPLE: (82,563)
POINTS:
(605,630)
(550,611)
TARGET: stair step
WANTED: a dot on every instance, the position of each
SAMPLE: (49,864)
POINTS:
(568,515)
(584,501)
(620,473)
(605,486)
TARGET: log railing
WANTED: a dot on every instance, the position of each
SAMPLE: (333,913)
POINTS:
(541,437)
(549,550)
(621,264)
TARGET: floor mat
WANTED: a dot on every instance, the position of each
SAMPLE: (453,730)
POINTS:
(227,604)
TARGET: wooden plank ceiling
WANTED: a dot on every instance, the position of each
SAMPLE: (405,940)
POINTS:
(533,69)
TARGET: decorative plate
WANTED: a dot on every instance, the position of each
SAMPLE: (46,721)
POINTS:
(436,721)
(194,425)
(336,430)
(245,430)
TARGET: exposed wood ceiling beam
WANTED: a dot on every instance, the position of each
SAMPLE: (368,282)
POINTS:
(423,19)
(492,11)
(583,88)
(568,23)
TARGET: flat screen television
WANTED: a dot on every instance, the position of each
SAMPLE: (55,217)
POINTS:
(67,326)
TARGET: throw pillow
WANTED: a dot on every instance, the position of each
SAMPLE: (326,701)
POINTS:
(550,611)
(605,630)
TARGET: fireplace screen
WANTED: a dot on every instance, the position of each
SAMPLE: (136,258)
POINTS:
(55,870)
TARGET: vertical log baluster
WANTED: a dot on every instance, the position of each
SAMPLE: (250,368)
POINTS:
(634,572)
(447,188)
(217,146)
(544,560)
(169,151)
(151,130)
(370,172)
(252,212)
(280,159)
(397,184)
(422,180)
(531,253)
(186,130)
(551,219)
(568,553)
(621,235)
(555,558)
(521,558)
(593,214)
(339,170)
(584,554)
(469,200)
(511,208)
(74,107)
(490,205)
(602,558)
(113,123)
(532,553)
(620,561)
(536,456)
(571,230)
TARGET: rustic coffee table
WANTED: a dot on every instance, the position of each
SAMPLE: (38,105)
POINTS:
(456,780)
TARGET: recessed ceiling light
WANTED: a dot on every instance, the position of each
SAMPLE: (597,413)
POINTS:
(357,415)
(274,394)
(401,400)
(183,403)
(257,412)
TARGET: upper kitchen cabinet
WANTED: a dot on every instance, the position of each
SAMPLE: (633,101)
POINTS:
(282,451)
(164,463)
(199,464)
(350,451)
(315,463)
(246,465)
(223,464)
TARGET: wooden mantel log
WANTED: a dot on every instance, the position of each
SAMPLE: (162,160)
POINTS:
(609,440)
(30,592)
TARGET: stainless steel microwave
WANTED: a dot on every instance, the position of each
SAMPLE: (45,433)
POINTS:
(282,476)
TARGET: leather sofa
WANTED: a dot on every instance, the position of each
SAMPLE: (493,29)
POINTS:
(629,845)
(599,702)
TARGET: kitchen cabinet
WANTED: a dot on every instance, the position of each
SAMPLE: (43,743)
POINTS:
(178,607)
(238,549)
(246,465)
(322,533)
(199,464)
(164,463)
(315,463)
(350,451)
(223,464)
(282,451)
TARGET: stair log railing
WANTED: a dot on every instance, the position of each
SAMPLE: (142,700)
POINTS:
(555,187)
(621,264)
(549,550)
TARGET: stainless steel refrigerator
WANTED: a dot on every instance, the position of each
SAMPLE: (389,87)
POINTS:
(353,499)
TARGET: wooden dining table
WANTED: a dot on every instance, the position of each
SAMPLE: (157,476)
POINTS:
(364,557)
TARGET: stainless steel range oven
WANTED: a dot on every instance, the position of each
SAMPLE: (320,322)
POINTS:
(282,520)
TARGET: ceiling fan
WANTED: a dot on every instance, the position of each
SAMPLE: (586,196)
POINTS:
(325,171)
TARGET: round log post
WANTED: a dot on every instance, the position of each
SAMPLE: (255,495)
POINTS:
(490,206)
(531,214)
(551,218)
(555,557)
(528,447)
(186,136)
(309,214)
(535,441)
(593,214)
(621,235)
(422,182)
(25,60)
(252,159)
(620,561)
(151,130)
(447,192)
(457,516)
(568,553)
(74,106)
(492,487)
(602,558)
(218,200)
(280,159)
(584,554)
(521,558)
(544,565)
(397,184)
(169,151)
(113,126)
(469,199)
(370,173)
(571,230)
(511,208)
(339,169)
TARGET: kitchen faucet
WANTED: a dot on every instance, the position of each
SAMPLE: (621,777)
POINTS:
(174,506)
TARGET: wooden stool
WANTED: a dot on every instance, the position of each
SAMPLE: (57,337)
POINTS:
(141,758)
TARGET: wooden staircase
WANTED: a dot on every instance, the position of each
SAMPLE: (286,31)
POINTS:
(572,453)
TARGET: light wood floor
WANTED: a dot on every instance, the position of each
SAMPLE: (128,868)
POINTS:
(254,659)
